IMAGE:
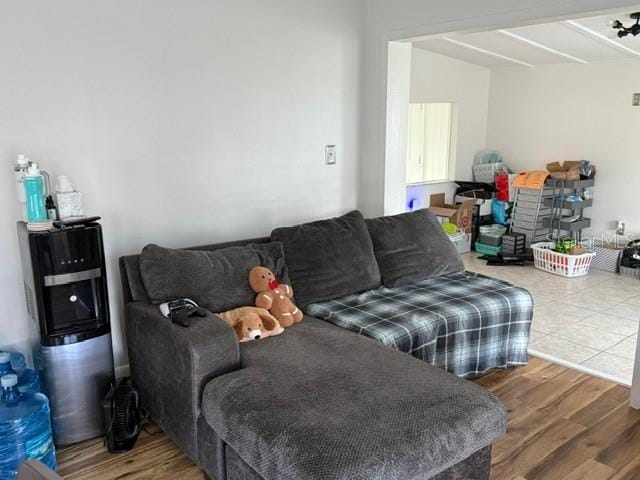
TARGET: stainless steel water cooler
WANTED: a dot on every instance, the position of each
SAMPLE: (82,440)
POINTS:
(66,291)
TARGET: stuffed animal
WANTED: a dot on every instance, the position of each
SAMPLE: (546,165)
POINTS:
(273,296)
(251,323)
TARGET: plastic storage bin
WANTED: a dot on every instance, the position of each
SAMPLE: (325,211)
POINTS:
(492,235)
(545,258)
(462,242)
(514,243)
(490,250)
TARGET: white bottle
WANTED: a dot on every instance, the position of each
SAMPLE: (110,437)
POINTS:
(19,171)
(69,200)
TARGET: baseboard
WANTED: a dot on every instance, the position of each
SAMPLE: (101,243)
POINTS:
(578,367)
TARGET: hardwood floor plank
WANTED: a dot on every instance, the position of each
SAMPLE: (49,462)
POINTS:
(522,427)
(545,372)
(629,472)
(601,407)
(563,425)
(513,393)
(591,470)
(587,444)
(503,376)
(623,449)
(567,402)
(549,390)
(526,455)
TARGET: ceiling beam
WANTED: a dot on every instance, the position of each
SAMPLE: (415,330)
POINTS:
(540,46)
(486,52)
(602,38)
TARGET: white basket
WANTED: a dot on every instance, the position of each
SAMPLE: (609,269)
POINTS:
(462,242)
(561,264)
(486,173)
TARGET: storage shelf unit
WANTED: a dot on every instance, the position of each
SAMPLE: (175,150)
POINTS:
(573,184)
(562,210)
(529,213)
(565,225)
(567,205)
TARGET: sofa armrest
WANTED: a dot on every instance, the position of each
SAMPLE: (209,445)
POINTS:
(170,365)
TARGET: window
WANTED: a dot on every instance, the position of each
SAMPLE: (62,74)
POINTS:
(429,146)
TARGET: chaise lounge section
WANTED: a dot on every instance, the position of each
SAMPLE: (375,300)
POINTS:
(317,402)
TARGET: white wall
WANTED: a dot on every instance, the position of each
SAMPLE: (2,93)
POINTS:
(398,89)
(182,122)
(574,112)
(389,20)
(437,78)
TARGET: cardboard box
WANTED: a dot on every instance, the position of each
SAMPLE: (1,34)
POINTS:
(533,180)
(569,170)
(460,215)
(482,199)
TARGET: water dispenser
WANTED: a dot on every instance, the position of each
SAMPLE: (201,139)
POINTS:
(66,292)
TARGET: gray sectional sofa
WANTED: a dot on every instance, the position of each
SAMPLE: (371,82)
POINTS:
(318,401)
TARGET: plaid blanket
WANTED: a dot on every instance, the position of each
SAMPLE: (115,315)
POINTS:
(465,322)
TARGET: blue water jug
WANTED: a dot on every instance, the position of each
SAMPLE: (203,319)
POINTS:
(5,363)
(13,362)
(34,190)
(29,381)
(25,428)
(18,362)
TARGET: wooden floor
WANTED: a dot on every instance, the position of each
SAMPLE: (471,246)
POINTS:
(563,425)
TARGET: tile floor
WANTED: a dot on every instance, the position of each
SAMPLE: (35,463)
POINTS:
(588,323)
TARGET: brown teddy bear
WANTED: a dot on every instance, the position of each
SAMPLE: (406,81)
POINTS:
(251,323)
(273,296)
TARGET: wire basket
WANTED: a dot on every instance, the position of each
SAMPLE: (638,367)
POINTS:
(486,173)
(570,266)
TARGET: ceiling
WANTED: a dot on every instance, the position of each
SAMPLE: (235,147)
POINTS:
(582,40)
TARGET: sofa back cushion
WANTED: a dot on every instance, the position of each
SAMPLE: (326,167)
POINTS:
(411,247)
(329,258)
(217,280)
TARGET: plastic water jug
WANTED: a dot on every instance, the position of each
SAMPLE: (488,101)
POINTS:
(5,364)
(25,428)
(13,362)
(18,363)
(34,192)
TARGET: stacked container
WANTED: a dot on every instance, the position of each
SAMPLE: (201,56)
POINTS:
(530,212)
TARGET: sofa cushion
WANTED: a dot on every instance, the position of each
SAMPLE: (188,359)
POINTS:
(411,247)
(218,280)
(318,402)
(329,258)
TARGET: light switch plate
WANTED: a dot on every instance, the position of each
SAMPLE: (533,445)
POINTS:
(636,99)
(330,155)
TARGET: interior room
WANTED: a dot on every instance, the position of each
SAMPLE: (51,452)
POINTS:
(539,94)
(283,240)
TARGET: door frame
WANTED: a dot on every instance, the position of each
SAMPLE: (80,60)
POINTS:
(634,402)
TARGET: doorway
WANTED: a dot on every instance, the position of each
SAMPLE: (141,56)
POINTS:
(581,328)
